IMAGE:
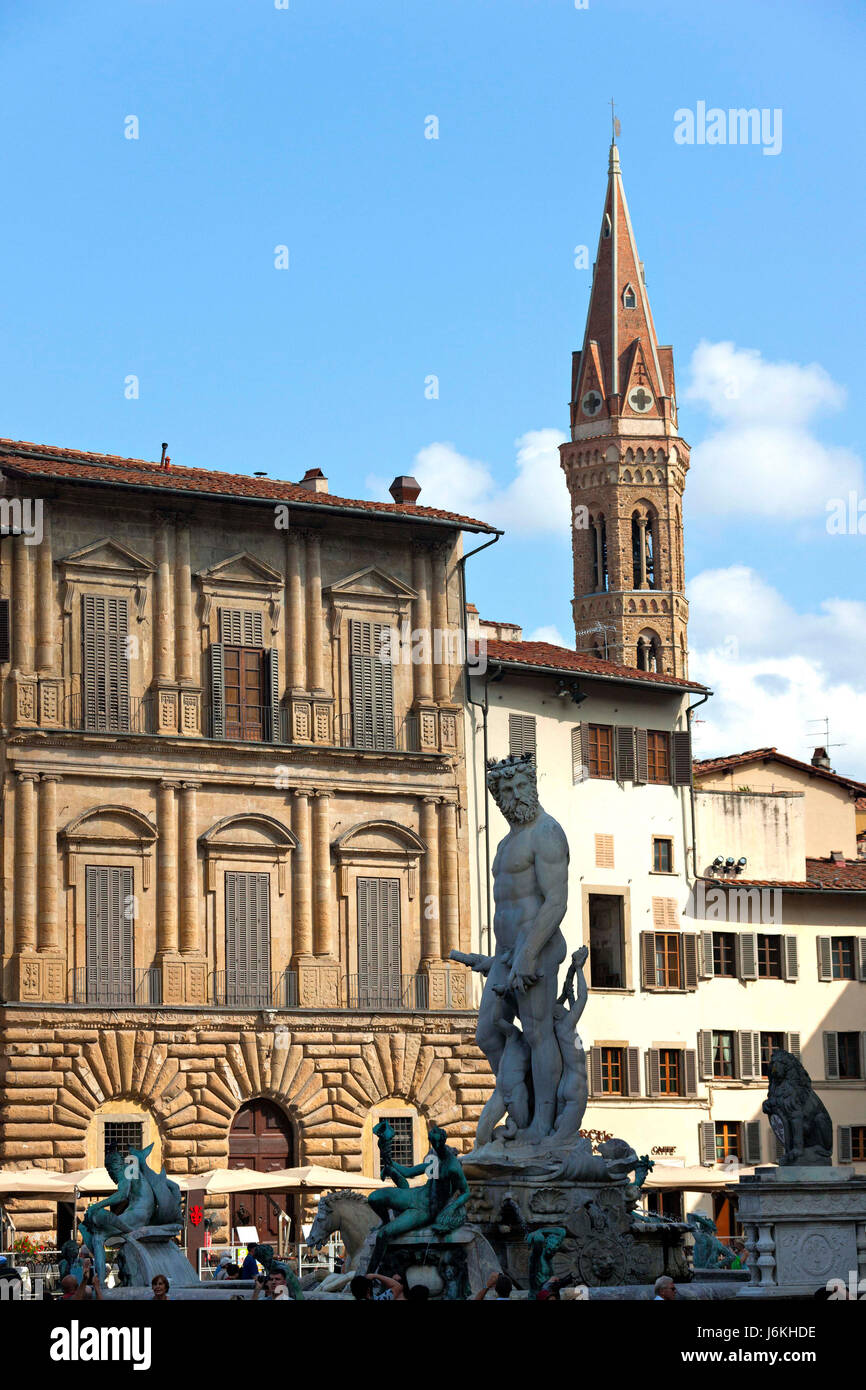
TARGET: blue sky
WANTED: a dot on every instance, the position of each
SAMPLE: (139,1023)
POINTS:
(304,127)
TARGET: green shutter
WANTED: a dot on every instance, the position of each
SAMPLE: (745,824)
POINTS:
(217,691)
(241,627)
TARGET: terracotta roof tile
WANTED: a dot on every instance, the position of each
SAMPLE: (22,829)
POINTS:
(822,876)
(705,766)
(564,659)
(51,461)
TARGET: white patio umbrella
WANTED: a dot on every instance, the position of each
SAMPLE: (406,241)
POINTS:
(312,1177)
(694,1179)
(36,1182)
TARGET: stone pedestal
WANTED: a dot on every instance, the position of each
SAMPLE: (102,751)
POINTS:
(605,1245)
(38,976)
(318,982)
(804,1227)
(453,1265)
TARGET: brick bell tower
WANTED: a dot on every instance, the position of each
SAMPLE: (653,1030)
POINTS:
(626,466)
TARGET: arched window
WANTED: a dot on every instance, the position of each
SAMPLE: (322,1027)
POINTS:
(629,298)
(605,226)
(600,580)
(644,524)
(649,650)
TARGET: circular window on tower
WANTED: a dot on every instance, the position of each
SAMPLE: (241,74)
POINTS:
(591,403)
(640,399)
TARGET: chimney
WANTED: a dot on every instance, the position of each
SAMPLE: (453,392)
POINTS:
(405,489)
(836,856)
(820,759)
(314,480)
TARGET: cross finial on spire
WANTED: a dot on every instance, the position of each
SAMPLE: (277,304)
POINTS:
(614,123)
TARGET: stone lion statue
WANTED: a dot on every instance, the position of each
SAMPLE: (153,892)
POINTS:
(799,1118)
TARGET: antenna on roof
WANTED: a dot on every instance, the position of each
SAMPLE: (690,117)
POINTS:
(826,727)
(165,460)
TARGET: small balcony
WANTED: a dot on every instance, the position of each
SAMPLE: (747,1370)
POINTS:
(254,989)
(252,724)
(109,716)
(403,992)
(112,988)
(400,737)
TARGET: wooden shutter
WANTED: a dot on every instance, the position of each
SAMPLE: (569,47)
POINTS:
(632,1071)
(641,762)
(665,913)
(604,852)
(707,1143)
(690,1072)
(747,955)
(248,939)
(790,961)
(241,627)
(383,687)
(831,1057)
(109,932)
(792,1044)
(274,732)
(748,1055)
(584,749)
(843,1144)
(217,691)
(580,755)
(104,628)
(681,759)
(707,956)
(379,941)
(752,1142)
(5,642)
(705,1054)
(595,1070)
(653,1072)
(372,687)
(689,955)
(825,958)
(624,748)
(521,734)
(861,957)
(648,959)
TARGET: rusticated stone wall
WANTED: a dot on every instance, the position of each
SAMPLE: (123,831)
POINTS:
(191,1072)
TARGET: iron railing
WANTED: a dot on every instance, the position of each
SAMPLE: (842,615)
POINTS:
(401,992)
(111,987)
(255,724)
(263,989)
(114,716)
(399,737)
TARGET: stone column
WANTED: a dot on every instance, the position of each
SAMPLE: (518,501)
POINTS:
(163,628)
(189,876)
(430,902)
(641,521)
(49,930)
(295,624)
(302,918)
(449,922)
(183,607)
(441,667)
(45,647)
(22,606)
(315,665)
(25,862)
(421,582)
(166,890)
(322,914)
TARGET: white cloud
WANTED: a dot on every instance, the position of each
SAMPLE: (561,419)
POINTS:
(773,669)
(763,460)
(534,502)
(548,634)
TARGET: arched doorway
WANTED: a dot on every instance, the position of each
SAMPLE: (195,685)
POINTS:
(261,1138)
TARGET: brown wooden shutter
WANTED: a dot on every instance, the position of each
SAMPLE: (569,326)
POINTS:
(624,744)
(641,760)
(648,959)
(752,1142)
(5,642)
(633,1071)
(689,953)
(681,759)
(690,1072)
(825,957)
(604,852)
(595,1071)
(831,1057)
(707,1143)
(653,1068)
(843,1144)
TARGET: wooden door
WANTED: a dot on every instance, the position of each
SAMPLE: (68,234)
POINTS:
(261,1138)
(244,693)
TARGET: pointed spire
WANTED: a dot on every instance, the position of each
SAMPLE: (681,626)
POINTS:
(620,374)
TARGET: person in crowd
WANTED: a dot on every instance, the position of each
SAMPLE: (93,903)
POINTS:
(417,1293)
(159,1287)
(250,1266)
(88,1287)
(222,1265)
(232,1271)
(499,1285)
(665,1289)
(377,1287)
